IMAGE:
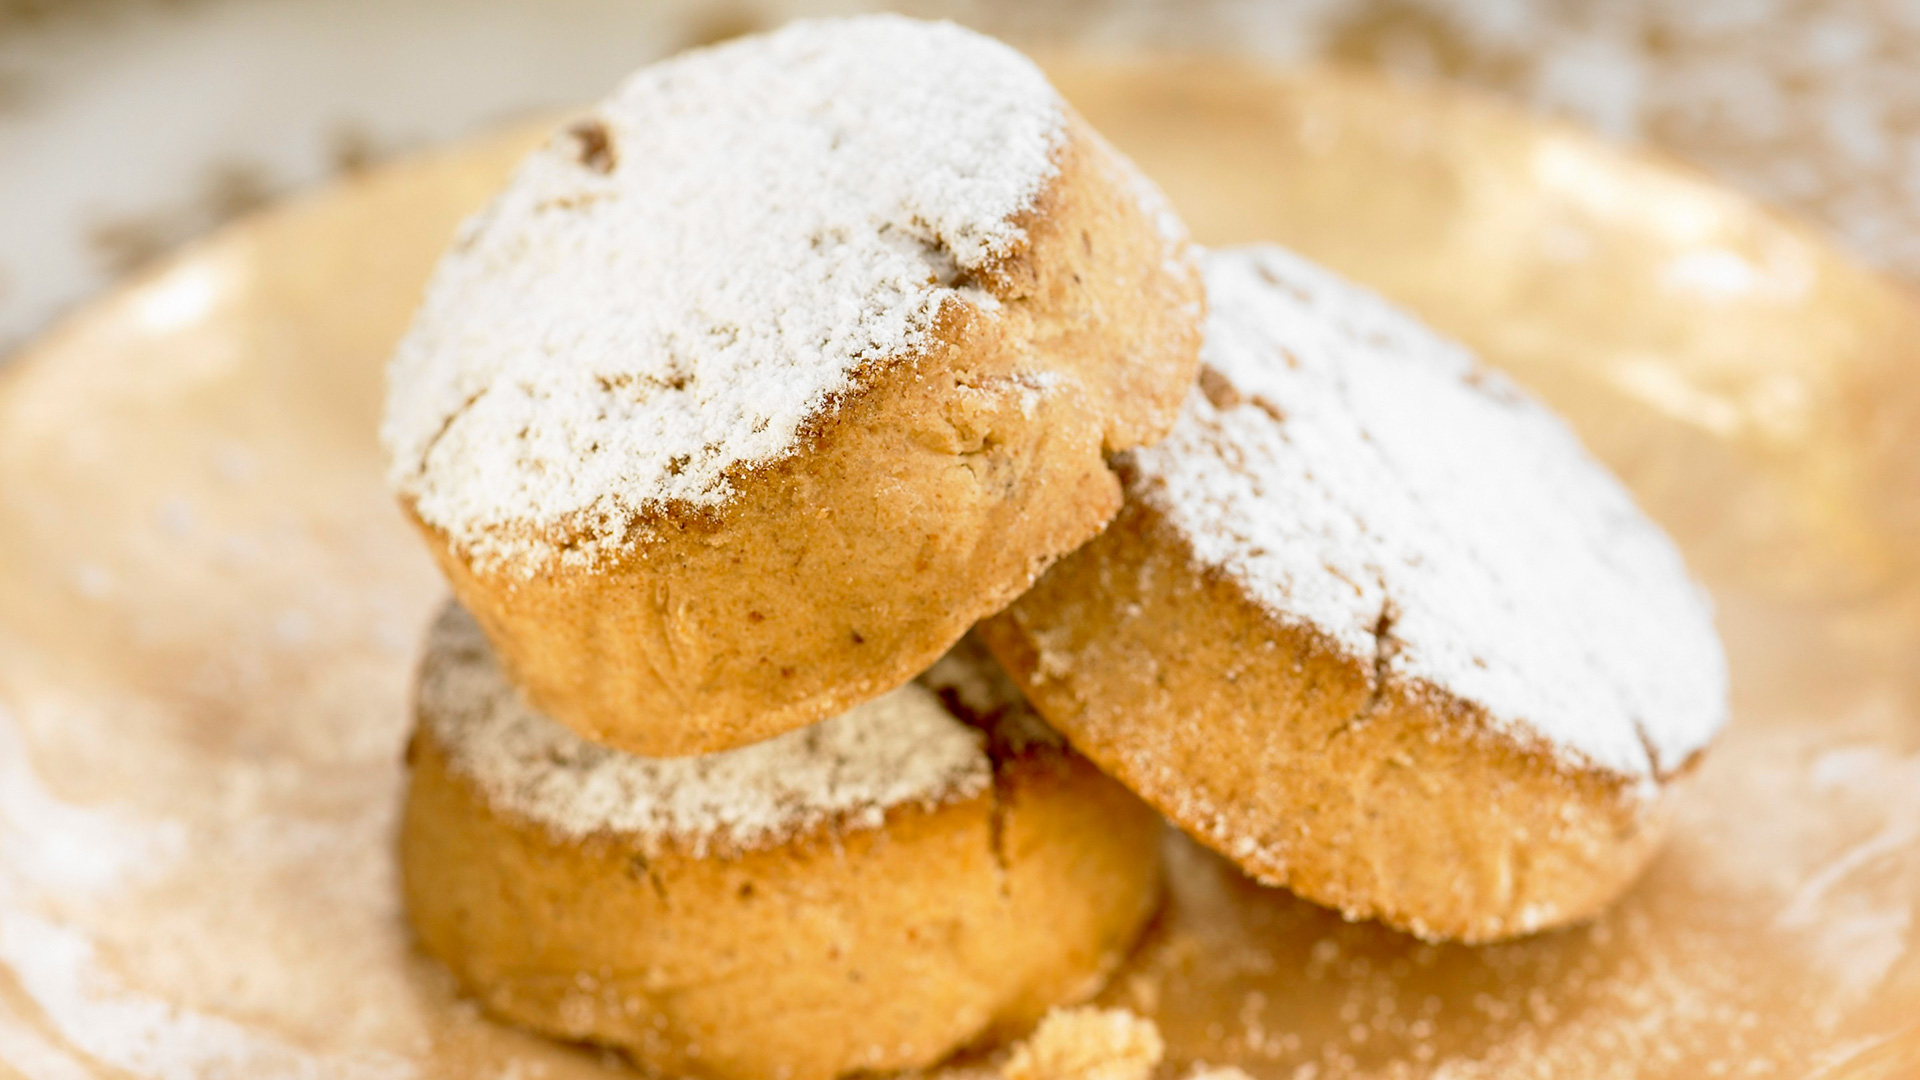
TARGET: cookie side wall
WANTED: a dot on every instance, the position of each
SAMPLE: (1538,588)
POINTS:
(1284,754)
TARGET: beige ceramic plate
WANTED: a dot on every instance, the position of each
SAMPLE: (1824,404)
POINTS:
(208,608)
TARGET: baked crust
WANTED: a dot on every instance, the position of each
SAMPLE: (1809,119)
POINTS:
(930,497)
(1269,744)
(841,947)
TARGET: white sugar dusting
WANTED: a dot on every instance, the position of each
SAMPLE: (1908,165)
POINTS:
(904,748)
(1355,472)
(673,288)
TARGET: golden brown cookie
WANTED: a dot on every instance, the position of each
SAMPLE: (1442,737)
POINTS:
(1375,626)
(931,868)
(757,387)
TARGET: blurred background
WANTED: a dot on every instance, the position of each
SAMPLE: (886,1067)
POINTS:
(129,126)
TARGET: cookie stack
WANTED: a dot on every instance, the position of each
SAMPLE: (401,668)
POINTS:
(757,388)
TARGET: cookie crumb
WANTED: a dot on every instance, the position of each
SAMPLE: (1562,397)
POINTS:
(1088,1043)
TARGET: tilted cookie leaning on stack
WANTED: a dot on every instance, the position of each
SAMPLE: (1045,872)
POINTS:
(756,388)
(726,420)
(1374,626)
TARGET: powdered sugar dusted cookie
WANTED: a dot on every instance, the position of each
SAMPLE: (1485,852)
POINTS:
(868,894)
(1374,625)
(761,383)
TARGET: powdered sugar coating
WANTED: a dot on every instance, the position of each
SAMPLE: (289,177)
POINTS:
(1358,474)
(903,748)
(672,289)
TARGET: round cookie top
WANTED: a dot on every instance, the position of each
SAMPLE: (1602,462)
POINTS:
(1356,474)
(674,287)
(904,748)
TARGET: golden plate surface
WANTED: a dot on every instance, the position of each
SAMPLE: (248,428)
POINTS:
(209,608)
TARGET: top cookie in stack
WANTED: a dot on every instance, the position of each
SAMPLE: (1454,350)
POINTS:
(760,385)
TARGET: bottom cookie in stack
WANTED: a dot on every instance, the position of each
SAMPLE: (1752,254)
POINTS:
(931,869)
